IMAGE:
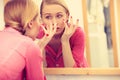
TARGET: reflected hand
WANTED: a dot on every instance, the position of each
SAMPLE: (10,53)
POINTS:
(69,29)
(49,31)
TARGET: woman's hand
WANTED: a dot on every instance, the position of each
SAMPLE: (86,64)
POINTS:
(49,31)
(69,29)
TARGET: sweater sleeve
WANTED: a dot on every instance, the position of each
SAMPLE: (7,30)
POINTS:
(77,46)
(34,63)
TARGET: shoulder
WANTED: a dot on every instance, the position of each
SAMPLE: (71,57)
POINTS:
(30,44)
(26,41)
(27,46)
(78,36)
(79,32)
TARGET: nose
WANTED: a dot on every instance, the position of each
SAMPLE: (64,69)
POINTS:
(54,21)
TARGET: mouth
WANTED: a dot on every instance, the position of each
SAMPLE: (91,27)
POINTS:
(58,29)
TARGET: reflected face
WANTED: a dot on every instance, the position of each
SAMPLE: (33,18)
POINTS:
(54,14)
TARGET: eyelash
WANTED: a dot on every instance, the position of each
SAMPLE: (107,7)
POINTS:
(49,17)
(59,16)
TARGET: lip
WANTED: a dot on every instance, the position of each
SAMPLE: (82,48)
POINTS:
(58,28)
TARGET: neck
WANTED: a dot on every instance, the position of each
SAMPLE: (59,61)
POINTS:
(58,36)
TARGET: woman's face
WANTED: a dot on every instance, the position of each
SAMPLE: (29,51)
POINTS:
(55,14)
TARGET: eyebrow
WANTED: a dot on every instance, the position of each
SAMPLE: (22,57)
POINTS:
(50,13)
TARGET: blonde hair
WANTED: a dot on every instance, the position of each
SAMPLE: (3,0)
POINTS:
(17,13)
(58,2)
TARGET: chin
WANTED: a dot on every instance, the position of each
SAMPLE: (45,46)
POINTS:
(59,32)
(33,38)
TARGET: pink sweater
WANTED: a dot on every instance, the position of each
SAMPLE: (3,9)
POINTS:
(20,58)
(77,44)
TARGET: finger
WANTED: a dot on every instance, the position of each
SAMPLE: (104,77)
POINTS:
(76,25)
(55,27)
(43,27)
(77,22)
(50,26)
(71,21)
(65,23)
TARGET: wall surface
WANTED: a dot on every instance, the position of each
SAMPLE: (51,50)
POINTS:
(1,15)
(76,10)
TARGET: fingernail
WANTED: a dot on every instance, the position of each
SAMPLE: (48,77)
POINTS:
(43,24)
(47,34)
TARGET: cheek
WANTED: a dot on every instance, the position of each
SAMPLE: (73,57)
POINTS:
(36,28)
(61,23)
(45,22)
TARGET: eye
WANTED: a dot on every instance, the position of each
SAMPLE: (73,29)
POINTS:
(59,16)
(48,17)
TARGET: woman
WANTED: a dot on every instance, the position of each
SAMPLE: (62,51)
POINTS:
(20,58)
(63,42)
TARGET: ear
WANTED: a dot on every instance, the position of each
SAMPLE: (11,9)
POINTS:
(30,24)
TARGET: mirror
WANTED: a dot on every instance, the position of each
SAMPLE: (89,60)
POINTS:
(101,45)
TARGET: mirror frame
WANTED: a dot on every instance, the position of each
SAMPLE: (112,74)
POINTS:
(113,33)
(82,71)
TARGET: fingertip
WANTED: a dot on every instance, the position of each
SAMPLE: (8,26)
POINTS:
(77,19)
(77,22)
(47,34)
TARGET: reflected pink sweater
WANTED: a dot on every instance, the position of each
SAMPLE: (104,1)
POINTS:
(77,44)
(19,57)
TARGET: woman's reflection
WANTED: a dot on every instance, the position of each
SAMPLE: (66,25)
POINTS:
(61,40)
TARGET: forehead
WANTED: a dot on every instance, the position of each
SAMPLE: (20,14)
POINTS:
(53,8)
